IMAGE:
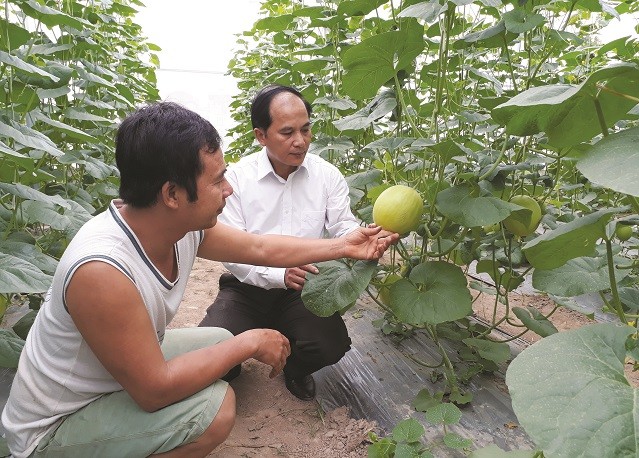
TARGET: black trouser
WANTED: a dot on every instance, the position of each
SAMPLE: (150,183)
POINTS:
(315,341)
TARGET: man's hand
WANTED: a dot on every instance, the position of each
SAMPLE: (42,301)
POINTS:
(368,242)
(272,348)
(295,277)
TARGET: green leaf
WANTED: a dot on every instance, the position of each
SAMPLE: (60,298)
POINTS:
(458,204)
(358,7)
(22,327)
(409,430)
(503,276)
(577,276)
(497,352)
(13,36)
(519,20)
(455,441)
(330,144)
(67,129)
(629,296)
(568,241)
(568,113)
(275,23)
(4,448)
(336,286)
(44,213)
(437,292)
(492,451)
(375,60)
(404,450)
(52,17)
(26,67)
(27,193)
(495,36)
(10,348)
(73,113)
(383,448)
(20,276)
(443,414)
(30,138)
(424,400)
(427,11)
(612,162)
(535,321)
(31,252)
(571,396)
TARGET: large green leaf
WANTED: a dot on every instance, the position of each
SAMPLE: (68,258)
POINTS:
(570,394)
(437,292)
(29,137)
(409,430)
(376,60)
(337,286)
(428,11)
(67,129)
(519,20)
(577,276)
(495,36)
(568,113)
(28,193)
(358,7)
(613,162)
(498,352)
(568,241)
(458,204)
(28,251)
(52,17)
(20,276)
(10,348)
(26,67)
(13,35)
(535,321)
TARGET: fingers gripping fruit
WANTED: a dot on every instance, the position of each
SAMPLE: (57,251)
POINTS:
(398,209)
(524,226)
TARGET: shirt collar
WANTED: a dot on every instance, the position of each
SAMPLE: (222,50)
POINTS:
(264,166)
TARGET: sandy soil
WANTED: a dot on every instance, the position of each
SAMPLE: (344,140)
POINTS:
(271,422)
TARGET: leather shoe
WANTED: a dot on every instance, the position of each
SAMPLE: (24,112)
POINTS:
(302,388)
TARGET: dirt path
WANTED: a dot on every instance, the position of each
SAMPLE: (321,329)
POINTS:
(270,421)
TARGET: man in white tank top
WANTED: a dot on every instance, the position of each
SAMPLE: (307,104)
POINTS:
(100,375)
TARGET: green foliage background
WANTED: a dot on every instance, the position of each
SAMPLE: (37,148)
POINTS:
(472,102)
(69,70)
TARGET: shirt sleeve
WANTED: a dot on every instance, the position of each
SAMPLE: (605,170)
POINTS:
(264,277)
(339,217)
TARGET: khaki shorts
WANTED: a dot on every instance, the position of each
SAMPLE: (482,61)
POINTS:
(115,426)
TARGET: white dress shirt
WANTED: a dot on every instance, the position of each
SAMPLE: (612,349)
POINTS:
(312,203)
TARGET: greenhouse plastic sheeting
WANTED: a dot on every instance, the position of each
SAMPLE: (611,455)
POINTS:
(378,382)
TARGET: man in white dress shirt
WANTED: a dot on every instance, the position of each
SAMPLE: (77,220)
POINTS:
(283,190)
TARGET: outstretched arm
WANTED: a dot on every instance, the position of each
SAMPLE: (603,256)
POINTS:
(224,243)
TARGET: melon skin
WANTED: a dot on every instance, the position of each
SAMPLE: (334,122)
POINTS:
(398,209)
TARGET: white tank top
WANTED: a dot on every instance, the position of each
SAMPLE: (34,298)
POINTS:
(58,373)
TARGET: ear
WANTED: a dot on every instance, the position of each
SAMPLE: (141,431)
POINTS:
(169,194)
(260,135)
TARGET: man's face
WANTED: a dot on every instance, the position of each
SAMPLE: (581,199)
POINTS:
(288,137)
(212,190)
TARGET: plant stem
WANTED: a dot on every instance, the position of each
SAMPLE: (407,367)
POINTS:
(600,117)
(616,303)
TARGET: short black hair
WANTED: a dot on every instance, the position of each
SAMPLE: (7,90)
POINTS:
(261,106)
(158,143)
